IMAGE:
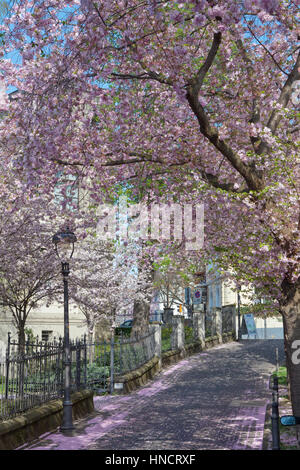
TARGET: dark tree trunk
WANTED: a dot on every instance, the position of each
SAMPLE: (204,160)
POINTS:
(21,338)
(290,309)
(141,312)
(21,353)
(286,355)
(90,346)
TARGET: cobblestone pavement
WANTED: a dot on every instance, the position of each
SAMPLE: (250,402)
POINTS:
(212,400)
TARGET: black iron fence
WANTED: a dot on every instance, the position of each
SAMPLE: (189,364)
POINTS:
(118,356)
(133,353)
(32,374)
(209,325)
(166,332)
(156,316)
(227,320)
(189,334)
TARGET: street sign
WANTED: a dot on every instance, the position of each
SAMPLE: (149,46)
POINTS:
(248,325)
(289,420)
(197,295)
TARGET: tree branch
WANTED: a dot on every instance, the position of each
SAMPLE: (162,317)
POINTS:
(197,81)
(249,174)
(284,98)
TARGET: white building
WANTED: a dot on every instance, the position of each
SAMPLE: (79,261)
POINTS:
(221,291)
(45,322)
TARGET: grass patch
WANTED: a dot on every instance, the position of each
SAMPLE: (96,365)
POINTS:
(285,447)
(282,376)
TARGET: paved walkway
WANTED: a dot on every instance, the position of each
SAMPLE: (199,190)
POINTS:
(212,400)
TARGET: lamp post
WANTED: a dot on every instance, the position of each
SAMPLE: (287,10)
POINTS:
(239,312)
(64,246)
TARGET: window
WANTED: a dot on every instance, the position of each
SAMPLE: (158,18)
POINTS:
(46,335)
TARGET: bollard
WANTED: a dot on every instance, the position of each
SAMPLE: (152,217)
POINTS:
(275,416)
(78,365)
(112,361)
(7,367)
(85,360)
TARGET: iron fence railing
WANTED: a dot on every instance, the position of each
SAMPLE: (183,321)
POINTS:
(189,336)
(166,332)
(132,353)
(156,317)
(118,356)
(209,325)
(100,366)
(33,374)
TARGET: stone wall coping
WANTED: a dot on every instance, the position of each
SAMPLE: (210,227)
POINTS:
(135,374)
(171,352)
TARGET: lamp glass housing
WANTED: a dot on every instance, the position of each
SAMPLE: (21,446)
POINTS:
(64,242)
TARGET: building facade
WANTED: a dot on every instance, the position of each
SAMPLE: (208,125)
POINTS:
(221,291)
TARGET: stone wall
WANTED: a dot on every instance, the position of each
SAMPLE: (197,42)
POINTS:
(42,419)
(137,378)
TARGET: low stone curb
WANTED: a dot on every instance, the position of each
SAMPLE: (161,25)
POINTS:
(45,418)
(267,428)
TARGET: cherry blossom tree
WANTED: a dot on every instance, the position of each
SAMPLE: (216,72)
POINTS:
(28,270)
(105,280)
(173,274)
(192,100)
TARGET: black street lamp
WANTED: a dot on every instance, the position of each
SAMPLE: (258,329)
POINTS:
(239,312)
(64,246)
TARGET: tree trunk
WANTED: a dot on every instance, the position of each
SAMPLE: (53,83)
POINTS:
(141,310)
(21,338)
(91,346)
(140,324)
(287,368)
(21,353)
(290,309)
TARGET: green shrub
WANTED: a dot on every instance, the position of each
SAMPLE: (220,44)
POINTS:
(188,334)
(97,376)
(166,332)
(282,375)
(126,332)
